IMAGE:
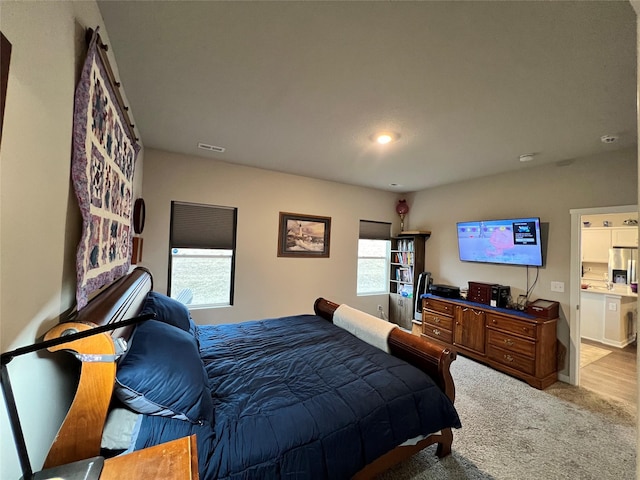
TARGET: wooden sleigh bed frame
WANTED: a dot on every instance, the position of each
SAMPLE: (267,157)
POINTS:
(80,435)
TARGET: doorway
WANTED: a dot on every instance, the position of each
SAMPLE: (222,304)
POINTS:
(603,314)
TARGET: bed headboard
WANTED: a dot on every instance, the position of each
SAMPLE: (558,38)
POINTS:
(80,434)
(120,300)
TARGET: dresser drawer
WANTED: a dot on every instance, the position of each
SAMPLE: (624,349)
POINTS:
(511,359)
(511,343)
(511,325)
(437,306)
(436,320)
(438,333)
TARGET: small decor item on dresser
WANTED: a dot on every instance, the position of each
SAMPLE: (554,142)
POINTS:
(543,309)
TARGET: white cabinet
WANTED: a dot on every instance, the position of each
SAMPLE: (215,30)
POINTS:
(595,244)
(591,316)
(624,237)
(608,318)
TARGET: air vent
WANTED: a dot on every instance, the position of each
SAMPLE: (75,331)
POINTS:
(211,148)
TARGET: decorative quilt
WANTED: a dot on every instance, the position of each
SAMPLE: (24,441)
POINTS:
(298,397)
(102,170)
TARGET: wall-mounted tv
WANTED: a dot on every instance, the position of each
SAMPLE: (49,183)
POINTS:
(514,241)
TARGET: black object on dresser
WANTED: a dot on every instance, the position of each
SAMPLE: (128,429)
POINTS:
(446,291)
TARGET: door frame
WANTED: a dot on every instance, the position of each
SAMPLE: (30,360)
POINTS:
(574,298)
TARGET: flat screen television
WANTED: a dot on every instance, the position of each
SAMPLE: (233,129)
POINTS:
(514,241)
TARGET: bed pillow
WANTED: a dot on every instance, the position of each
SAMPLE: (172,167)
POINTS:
(169,310)
(162,374)
(118,429)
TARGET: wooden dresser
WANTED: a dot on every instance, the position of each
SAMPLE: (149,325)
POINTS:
(510,341)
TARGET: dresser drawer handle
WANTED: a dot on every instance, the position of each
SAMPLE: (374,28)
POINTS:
(436,331)
(508,358)
(495,322)
(436,320)
(508,341)
(474,311)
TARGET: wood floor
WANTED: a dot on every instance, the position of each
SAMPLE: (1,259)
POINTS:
(614,375)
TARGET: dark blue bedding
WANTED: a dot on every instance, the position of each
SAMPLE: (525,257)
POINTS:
(298,397)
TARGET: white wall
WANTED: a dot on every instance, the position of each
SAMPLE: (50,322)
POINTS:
(548,192)
(39,217)
(265,284)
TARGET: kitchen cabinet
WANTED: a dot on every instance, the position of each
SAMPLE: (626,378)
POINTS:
(595,245)
(591,316)
(608,318)
(624,237)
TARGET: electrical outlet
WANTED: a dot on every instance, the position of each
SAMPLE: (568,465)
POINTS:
(557,287)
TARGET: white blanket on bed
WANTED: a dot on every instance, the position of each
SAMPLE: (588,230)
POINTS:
(367,328)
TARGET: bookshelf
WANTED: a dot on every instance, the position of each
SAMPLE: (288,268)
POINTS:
(407,262)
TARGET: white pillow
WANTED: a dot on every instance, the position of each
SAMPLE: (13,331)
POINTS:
(118,429)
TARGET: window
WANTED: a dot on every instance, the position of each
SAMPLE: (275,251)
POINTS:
(202,247)
(374,246)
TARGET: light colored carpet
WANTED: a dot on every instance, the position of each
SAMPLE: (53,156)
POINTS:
(591,353)
(511,431)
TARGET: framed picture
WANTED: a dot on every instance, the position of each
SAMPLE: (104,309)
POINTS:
(303,235)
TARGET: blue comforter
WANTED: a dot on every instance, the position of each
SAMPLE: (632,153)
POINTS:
(298,397)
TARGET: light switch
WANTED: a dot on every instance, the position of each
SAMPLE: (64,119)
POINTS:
(613,306)
(557,287)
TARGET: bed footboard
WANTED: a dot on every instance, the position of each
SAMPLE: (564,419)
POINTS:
(433,359)
(430,357)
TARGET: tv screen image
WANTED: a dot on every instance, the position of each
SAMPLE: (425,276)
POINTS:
(514,241)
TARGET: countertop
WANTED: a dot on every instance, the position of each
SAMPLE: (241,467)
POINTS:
(618,289)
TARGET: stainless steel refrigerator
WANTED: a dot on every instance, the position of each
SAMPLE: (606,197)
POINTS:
(622,265)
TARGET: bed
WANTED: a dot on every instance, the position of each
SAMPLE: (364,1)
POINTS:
(290,397)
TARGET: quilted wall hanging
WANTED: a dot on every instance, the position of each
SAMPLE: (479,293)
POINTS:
(102,168)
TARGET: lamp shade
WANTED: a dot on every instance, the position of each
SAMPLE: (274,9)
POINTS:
(402,208)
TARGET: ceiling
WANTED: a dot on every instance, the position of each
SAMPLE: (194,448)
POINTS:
(300,87)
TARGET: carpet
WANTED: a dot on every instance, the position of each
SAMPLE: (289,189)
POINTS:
(511,431)
(591,353)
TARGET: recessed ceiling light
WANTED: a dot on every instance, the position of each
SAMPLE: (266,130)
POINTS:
(385,137)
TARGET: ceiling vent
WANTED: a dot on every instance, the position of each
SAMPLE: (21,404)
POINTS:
(608,139)
(211,148)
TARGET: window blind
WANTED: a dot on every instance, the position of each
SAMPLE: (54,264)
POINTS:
(371,230)
(202,226)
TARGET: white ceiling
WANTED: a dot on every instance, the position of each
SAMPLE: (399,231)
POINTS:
(300,87)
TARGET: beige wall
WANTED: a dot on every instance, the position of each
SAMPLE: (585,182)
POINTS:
(265,285)
(548,192)
(39,217)
(40,222)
